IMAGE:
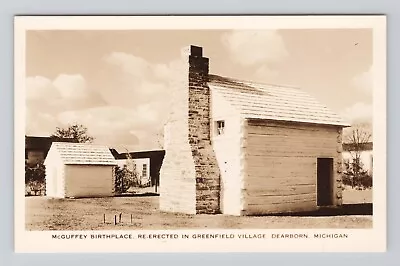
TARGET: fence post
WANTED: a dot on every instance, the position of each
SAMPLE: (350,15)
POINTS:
(104,218)
(131,218)
(115,219)
(120,217)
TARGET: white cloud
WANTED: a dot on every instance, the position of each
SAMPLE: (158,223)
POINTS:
(359,113)
(46,98)
(133,65)
(40,124)
(364,81)
(170,71)
(38,87)
(128,108)
(250,47)
(117,126)
(71,86)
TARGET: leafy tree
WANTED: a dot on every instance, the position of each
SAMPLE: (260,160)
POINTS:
(76,132)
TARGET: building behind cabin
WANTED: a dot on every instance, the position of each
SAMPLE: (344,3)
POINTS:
(140,166)
(36,148)
(146,163)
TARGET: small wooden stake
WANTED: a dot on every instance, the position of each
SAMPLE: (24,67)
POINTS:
(104,218)
(131,218)
(120,217)
(115,219)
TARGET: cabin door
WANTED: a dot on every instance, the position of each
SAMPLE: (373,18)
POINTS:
(324,181)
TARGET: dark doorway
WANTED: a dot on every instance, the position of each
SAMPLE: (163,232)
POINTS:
(324,181)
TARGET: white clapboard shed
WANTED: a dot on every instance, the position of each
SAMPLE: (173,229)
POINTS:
(75,170)
(243,148)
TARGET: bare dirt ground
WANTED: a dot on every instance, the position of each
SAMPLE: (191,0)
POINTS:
(44,213)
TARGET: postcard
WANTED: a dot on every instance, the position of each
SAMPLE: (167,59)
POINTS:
(200,134)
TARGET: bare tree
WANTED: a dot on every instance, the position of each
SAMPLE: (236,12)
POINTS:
(160,140)
(357,141)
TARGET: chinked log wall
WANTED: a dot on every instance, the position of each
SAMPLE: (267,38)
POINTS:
(280,165)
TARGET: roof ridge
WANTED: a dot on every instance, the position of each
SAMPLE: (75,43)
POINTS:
(80,143)
(252,82)
(276,102)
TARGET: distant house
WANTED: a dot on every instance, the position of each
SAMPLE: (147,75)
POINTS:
(75,170)
(146,163)
(243,148)
(366,155)
(36,148)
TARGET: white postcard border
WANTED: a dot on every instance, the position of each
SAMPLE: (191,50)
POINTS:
(359,240)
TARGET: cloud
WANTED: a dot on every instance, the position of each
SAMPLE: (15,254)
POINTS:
(117,126)
(130,64)
(359,113)
(144,94)
(40,124)
(128,109)
(250,47)
(38,87)
(364,82)
(71,86)
(46,98)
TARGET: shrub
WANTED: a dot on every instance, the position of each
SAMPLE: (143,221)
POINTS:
(125,178)
(355,176)
(35,179)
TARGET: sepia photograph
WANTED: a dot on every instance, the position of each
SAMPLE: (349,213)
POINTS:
(213,130)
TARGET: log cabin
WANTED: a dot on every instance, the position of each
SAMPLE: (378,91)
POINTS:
(243,148)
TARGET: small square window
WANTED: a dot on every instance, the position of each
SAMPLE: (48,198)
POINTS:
(220,126)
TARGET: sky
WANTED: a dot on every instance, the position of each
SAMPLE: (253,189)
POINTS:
(118,83)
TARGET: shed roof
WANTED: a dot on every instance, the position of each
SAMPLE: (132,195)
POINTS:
(84,153)
(273,102)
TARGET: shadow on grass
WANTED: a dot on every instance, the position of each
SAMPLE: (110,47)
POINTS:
(345,209)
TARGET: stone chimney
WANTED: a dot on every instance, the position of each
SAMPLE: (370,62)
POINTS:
(190,175)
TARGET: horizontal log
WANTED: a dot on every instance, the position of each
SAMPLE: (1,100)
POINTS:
(250,184)
(291,136)
(283,161)
(279,208)
(259,125)
(280,190)
(272,169)
(277,199)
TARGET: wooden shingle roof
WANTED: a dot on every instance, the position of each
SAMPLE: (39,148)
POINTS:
(272,102)
(84,153)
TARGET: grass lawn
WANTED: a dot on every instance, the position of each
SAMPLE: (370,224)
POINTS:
(351,196)
(44,213)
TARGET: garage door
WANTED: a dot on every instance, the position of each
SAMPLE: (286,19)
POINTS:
(88,181)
